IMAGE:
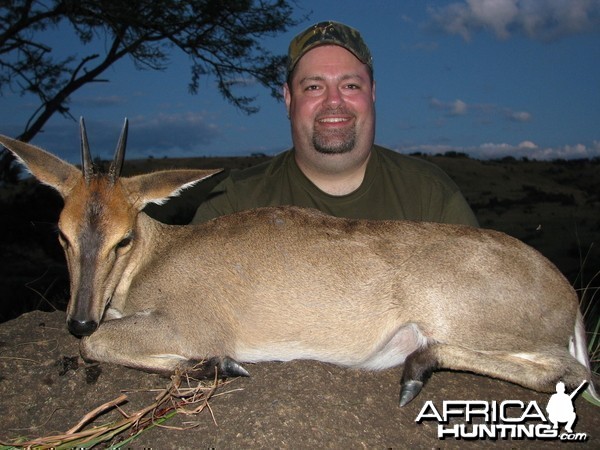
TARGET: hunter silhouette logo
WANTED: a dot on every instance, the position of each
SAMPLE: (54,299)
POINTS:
(509,419)
(560,407)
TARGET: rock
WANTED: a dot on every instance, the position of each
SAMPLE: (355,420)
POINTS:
(45,388)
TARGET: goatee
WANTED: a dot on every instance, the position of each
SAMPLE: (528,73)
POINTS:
(334,142)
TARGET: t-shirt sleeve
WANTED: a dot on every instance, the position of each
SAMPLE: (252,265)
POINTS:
(218,203)
(458,211)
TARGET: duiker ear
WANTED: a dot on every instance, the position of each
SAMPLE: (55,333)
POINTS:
(46,167)
(158,187)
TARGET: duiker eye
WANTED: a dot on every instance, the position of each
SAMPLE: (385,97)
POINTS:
(124,242)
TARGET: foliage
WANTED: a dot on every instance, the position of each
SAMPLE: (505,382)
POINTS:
(455,154)
(589,295)
(220,37)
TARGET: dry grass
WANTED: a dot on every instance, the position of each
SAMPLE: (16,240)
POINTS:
(590,298)
(183,395)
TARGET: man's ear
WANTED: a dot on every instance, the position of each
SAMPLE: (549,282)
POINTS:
(287,96)
(373,91)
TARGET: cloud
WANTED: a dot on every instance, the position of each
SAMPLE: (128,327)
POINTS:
(158,135)
(480,110)
(518,116)
(528,144)
(173,133)
(454,108)
(459,108)
(543,20)
(241,81)
(99,101)
(525,149)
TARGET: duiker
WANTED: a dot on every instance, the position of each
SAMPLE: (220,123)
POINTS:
(287,283)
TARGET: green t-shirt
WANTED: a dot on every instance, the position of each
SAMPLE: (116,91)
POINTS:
(395,186)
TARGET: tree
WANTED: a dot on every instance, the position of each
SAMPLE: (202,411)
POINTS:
(221,37)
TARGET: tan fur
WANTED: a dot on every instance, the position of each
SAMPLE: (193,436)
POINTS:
(288,283)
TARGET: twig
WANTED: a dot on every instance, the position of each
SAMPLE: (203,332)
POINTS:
(94,413)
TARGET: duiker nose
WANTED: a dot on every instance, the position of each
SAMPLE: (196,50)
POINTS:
(82,327)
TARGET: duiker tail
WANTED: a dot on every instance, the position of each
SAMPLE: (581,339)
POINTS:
(578,348)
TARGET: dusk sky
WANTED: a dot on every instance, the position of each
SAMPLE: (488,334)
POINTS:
(490,78)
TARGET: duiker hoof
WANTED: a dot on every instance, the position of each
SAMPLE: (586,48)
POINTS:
(409,390)
(222,366)
(231,368)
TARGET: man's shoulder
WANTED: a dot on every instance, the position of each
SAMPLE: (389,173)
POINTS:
(410,165)
(260,171)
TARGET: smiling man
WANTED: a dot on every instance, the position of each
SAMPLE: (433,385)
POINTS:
(334,165)
(331,103)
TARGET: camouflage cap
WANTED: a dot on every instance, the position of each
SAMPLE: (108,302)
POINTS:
(328,33)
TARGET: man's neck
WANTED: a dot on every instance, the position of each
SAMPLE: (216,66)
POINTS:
(337,174)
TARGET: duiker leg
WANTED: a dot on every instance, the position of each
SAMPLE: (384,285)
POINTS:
(539,370)
(148,342)
(417,369)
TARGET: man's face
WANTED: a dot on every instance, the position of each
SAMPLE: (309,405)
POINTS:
(331,102)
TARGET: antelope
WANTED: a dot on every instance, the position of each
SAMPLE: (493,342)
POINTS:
(285,283)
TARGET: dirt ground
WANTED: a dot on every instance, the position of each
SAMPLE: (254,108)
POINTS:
(45,389)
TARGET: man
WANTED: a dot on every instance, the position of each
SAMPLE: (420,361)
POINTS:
(334,165)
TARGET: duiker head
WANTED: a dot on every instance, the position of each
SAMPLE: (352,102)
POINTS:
(98,226)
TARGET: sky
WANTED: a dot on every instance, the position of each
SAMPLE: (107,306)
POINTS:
(490,78)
